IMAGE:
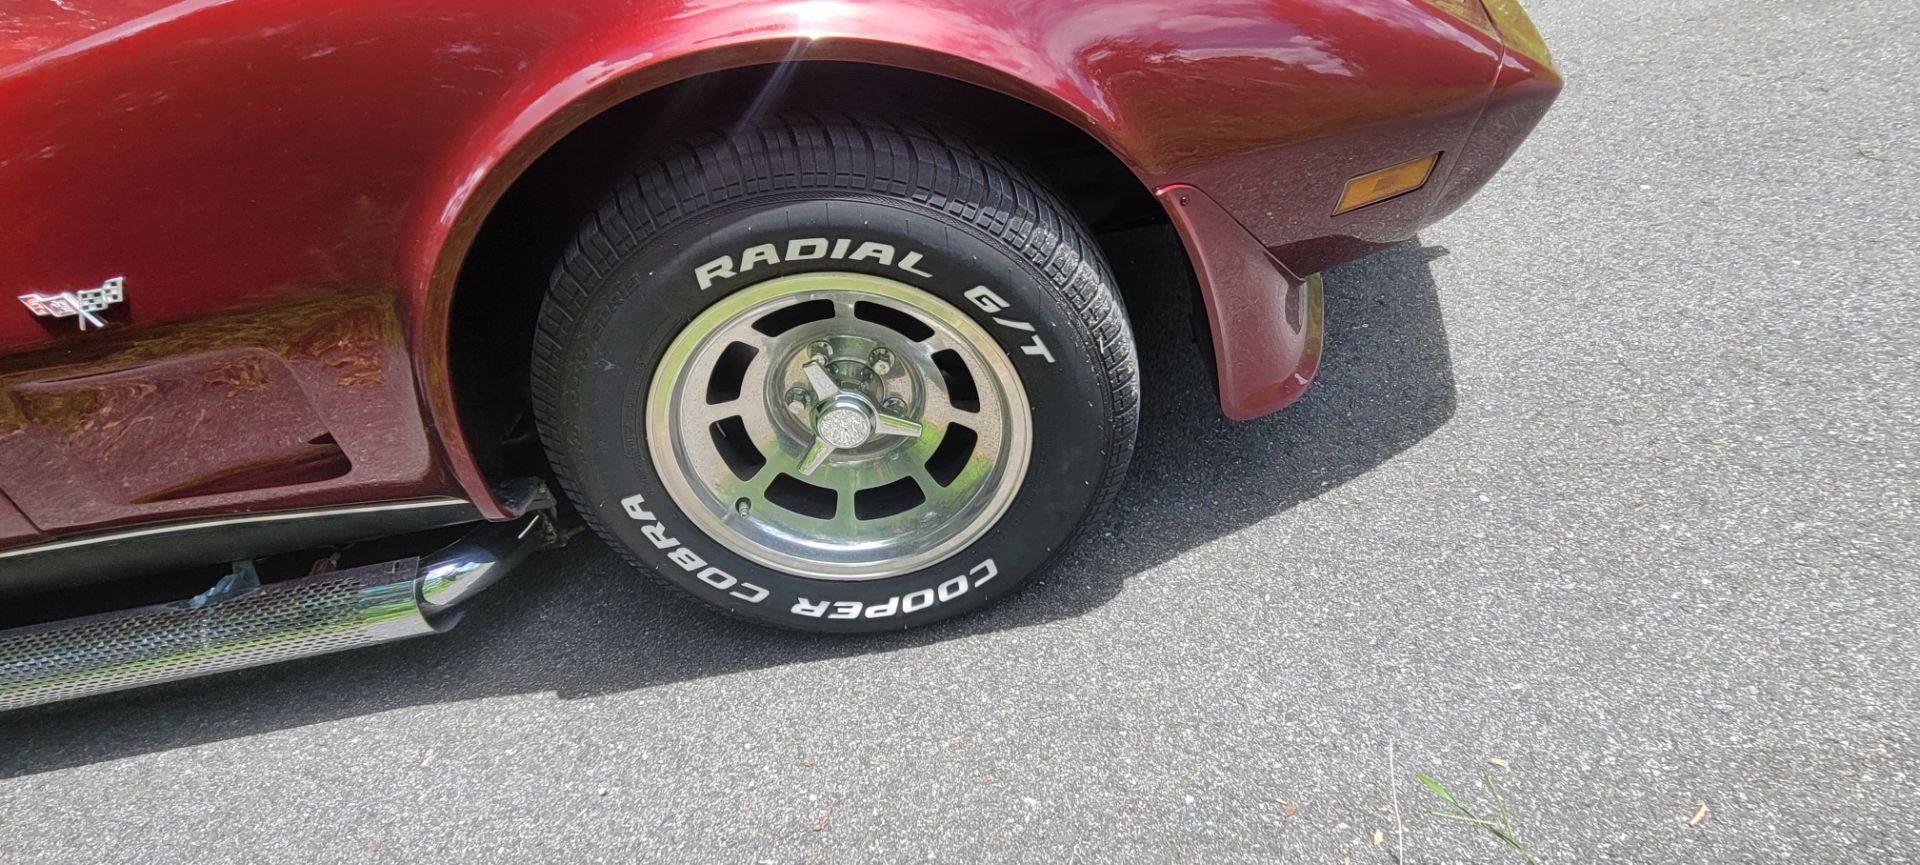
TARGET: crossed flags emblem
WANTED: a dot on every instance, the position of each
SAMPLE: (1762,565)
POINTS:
(83,303)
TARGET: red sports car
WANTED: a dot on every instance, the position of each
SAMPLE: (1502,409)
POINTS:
(801,306)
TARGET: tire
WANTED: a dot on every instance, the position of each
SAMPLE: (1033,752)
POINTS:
(868,233)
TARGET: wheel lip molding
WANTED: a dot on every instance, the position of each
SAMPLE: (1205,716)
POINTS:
(1267,323)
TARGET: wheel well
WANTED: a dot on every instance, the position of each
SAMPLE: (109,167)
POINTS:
(504,277)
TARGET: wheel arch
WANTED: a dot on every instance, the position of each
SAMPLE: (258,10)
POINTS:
(508,215)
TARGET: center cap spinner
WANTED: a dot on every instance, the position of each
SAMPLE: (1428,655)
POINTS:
(846,423)
(846,419)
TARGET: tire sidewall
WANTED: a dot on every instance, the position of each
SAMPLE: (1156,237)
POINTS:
(630,318)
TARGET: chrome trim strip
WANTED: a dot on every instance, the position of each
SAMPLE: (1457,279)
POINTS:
(228,522)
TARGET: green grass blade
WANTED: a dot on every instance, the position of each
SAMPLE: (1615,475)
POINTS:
(1445,796)
(1439,791)
(1502,831)
(1497,804)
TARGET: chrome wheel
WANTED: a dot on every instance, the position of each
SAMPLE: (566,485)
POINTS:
(839,426)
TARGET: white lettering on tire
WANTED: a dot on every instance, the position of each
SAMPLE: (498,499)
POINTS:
(948,591)
(807,249)
(812,248)
(805,607)
(990,303)
(686,559)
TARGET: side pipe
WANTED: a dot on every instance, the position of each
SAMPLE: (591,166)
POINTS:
(237,624)
(477,561)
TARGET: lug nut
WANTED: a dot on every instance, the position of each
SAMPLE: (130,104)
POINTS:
(893,405)
(823,351)
(798,399)
(881,361)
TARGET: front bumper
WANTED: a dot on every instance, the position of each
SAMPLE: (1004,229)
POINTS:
(1266,322)
(1517,33)
(1525,85)
(1265,319)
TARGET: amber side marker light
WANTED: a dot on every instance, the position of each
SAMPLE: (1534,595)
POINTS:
(1386,183)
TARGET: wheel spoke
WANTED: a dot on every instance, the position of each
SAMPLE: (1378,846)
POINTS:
(939,410)
(761,429)
(731,488)
(935,344)
(844,519)
(928,486)
(706,414)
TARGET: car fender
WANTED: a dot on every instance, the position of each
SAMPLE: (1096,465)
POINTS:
(902,35)
(1119,72)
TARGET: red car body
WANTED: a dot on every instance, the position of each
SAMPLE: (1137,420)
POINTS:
(290,190)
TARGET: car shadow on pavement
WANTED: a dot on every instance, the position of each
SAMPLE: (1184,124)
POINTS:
(576,622)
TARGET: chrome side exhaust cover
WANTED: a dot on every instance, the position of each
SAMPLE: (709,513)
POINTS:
(236,625)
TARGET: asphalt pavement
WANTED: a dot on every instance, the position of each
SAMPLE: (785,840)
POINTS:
(1609,477)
